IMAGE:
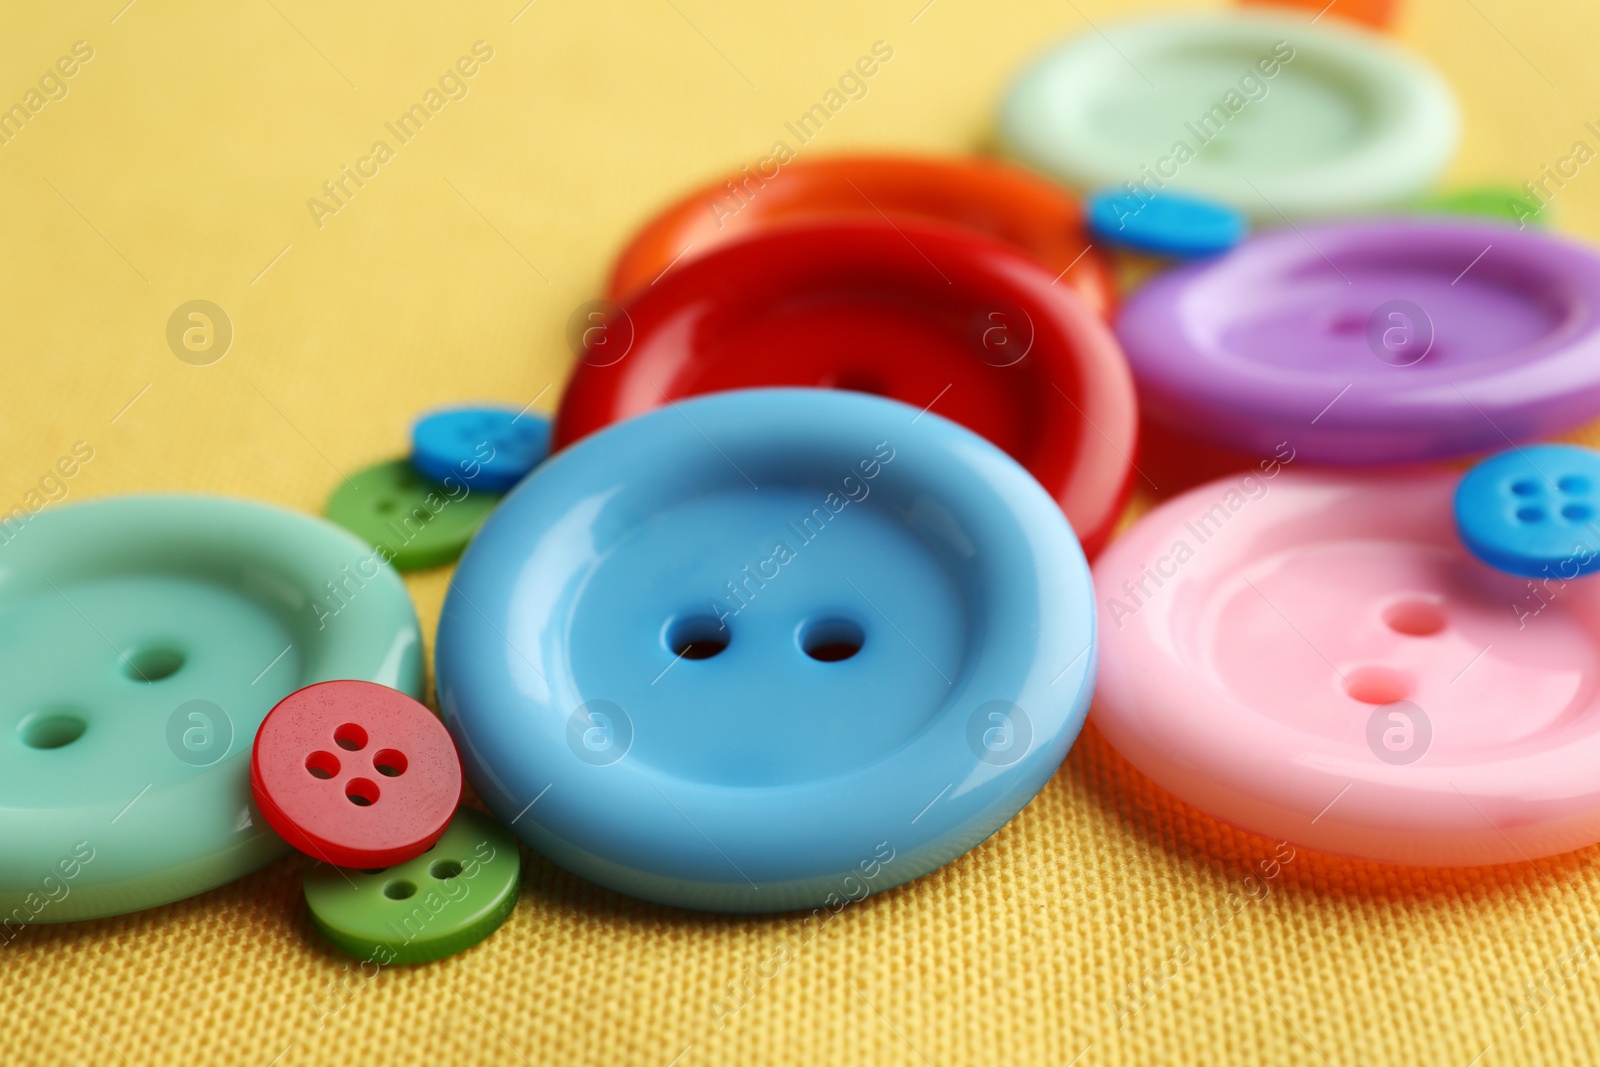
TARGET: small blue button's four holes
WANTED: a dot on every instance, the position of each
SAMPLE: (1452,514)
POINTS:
(1569,485)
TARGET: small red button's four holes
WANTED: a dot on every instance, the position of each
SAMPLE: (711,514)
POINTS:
(1416,618)
(350,737)
(322,764)
(399,889)
(445,869)
(391,763)
(361,792)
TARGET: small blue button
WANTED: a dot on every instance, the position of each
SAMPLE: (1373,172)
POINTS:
(490,449)
(767,649)
(1533,511)
(1165,223)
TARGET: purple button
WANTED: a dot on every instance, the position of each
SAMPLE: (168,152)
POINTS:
(1383,341)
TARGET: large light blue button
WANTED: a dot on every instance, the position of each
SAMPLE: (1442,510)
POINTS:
(767,649)
(1533,511)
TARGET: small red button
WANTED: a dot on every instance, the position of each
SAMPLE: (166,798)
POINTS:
(355,774)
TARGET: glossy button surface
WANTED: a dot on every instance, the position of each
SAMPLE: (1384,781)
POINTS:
(1381,341)
(767,649)
(939,319)
(143,639)
(488,448)
(1534,511)
(1317,658)
(355,774)
(994,199)
(1263,110)
(442,902)
(409,520)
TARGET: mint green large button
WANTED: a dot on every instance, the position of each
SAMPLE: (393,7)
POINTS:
(142,641)
(1267,112)
(444,901)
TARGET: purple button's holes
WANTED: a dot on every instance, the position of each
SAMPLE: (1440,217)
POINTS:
(399,889)
(152,663)
(322,764)
(832,640)
(350,737)
(1416,618)
(391,763)
(697,637)
(361,792)
(1530,514)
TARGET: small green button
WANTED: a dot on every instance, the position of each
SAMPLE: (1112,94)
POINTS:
(411,521)
(1485,201)
(445,901)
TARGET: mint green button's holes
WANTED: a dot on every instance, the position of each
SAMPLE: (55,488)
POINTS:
(1265,111)
(142,641)
(442,902)
(407,519)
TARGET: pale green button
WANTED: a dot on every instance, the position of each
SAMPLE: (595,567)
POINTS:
(1268,112)
(142,641)
(444,901)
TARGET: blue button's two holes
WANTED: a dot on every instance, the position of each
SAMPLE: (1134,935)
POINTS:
(697,637)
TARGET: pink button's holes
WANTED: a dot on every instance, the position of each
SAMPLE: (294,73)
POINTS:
(831,640)
(1577,512)
(391,763)
(1418,618)
(697,637)
(53,728)
(1377,685)
(350,737)
(361,792)
(1530,514)
(399,889)
(322,764)
(445,869)
(152,663)
(1573,484)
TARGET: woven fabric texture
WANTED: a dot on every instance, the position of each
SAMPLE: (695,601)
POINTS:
(1103,925)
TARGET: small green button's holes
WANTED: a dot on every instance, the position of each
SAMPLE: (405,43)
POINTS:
(322,764)
(444,869)
(350,737)
(52,729)
(399,889)
(361,792)
(152,663)
(391,763)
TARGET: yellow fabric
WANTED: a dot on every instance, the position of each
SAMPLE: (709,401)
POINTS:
(178,167)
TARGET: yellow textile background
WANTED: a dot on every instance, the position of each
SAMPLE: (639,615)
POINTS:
(178,167)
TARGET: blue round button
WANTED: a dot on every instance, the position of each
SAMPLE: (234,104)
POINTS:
(767,649)
(1533,511)
(489,448)
(1165,224)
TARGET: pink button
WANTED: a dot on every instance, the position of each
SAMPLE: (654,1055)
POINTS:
(1316,658)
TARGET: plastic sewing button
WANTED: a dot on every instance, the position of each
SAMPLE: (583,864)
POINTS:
(142,640)
(442,902)
(355,774)
(412,522)
(994,199)
(1316,658)
(1170,224)
(490,449)
(1486,201)
(1534,511)
(937,318)
(767,649)
(1384,341)
(1264,111)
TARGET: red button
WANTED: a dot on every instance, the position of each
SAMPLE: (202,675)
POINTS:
(1008,204)
(355,774)
(937,318)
